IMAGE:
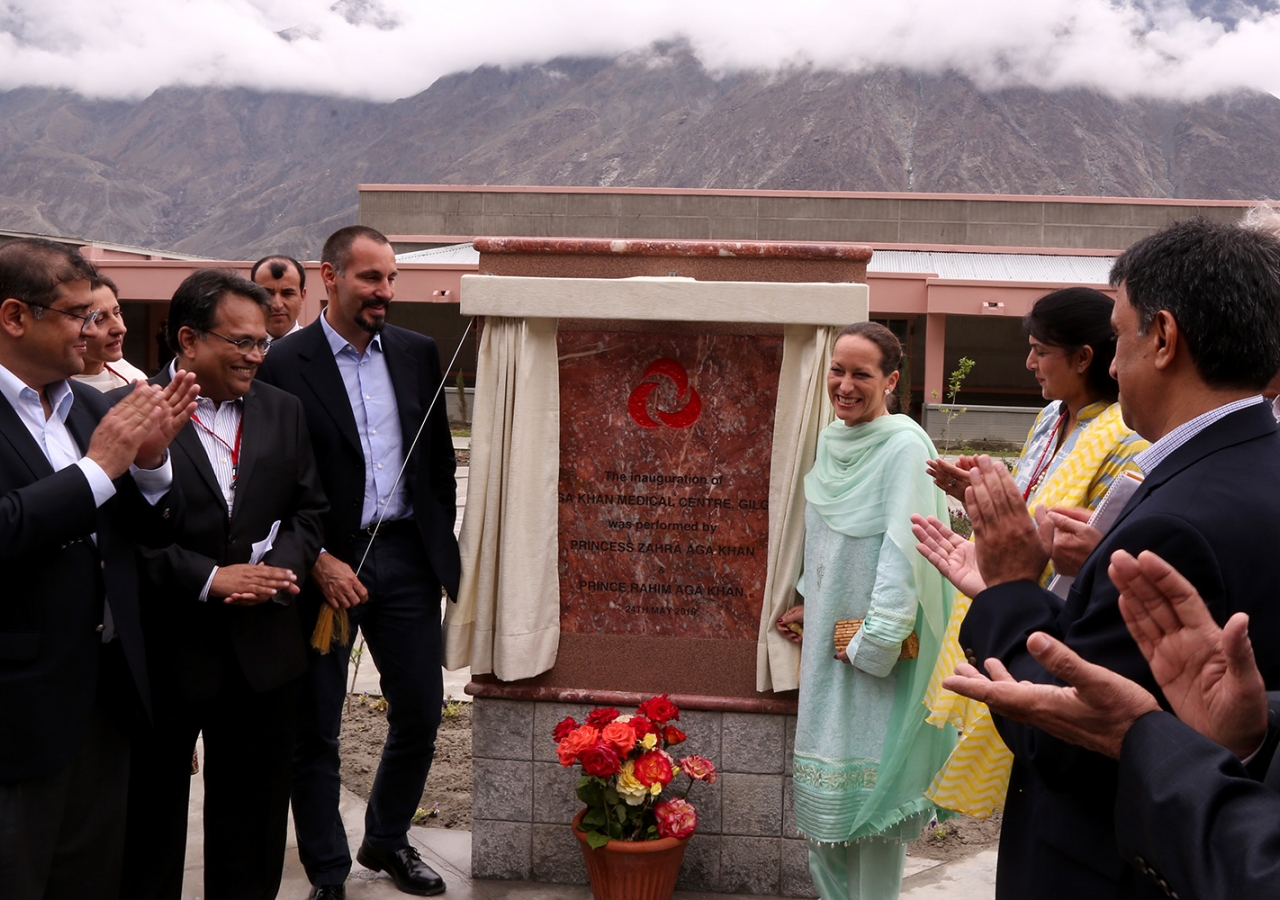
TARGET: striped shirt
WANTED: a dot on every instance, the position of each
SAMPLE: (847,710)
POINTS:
(1161,449)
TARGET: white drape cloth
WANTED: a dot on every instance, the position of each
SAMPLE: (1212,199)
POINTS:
(507,618)
(803,411)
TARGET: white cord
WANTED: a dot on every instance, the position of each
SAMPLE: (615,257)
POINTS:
(409,453)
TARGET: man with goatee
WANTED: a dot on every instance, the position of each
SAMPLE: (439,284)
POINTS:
(366,387)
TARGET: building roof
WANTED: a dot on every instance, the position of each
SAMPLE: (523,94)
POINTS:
(1023,267)
(454,254)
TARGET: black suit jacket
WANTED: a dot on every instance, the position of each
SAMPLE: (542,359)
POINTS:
(303,365)
(1192,817)
(192,642)
(1212,509)
(54,579)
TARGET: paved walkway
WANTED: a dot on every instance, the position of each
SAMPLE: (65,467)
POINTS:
(449,853)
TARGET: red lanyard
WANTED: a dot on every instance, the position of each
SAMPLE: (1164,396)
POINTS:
(1046,457)
(235,450)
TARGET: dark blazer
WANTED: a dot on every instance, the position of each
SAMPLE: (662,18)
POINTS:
(1212,508)
(191,642)
(1191,816)
(54,579)
(303,365)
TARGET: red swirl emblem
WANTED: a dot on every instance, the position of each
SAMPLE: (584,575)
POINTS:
(638,405)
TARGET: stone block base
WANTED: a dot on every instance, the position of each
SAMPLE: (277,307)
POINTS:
(523,800)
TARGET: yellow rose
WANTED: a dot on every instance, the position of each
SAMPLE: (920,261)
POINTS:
(629,787)
(649,741)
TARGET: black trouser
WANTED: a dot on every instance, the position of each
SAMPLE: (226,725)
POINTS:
(401,627)
(62,835)
(248,749)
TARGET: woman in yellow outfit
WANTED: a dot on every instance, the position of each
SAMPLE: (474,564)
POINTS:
(1077,448)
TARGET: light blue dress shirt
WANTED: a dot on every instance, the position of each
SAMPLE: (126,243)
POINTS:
(373,403)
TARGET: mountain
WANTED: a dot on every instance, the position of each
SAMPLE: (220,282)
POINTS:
(235,173)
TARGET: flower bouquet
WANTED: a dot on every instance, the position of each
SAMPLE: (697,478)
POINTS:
(626,769)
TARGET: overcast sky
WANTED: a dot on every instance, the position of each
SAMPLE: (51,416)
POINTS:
(386,49)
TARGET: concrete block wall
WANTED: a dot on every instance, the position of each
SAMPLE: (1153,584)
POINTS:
(1071,223)
(523,801)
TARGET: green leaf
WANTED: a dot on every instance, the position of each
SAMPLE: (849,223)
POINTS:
(596,840)
(593,819)
(622,813)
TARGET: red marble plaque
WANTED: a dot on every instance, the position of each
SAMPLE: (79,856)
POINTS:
(665,444)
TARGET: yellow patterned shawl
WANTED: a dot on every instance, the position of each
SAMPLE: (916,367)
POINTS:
(976,776)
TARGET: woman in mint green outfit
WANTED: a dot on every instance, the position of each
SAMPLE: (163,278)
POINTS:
(863,757)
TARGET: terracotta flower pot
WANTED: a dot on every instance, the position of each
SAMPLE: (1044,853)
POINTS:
(632,870)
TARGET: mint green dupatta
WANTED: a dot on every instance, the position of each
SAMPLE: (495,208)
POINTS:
(866,482)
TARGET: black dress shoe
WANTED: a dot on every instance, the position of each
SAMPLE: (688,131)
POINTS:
(405,867)
(328,892)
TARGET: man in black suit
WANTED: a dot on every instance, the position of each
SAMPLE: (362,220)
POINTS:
(1198,805)
(366,387)
(224,641)
(1197,320)
(78,486)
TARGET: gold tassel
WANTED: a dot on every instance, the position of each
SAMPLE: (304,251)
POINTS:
(333,629)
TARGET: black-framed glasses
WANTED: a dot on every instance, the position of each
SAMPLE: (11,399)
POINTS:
(246,345)
(93,317)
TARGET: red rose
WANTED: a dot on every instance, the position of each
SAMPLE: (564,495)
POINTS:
(673,735)
(563,727)
(676,818)
(575,742)
(659,710)
(600,760)
(699,768)
(620,736)
(601,717)
(653,768)
(641,726)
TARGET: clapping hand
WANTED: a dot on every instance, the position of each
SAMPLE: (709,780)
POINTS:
(1095,710)
(950,554)
(951,478)
(1007,541)
(1208,674)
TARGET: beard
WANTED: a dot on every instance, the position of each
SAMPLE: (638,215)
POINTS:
(372,326)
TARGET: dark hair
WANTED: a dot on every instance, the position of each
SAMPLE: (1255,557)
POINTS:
(890,350)
(337,249)
(102,281)
(1221,284)
(278,263)
(195,302)
(886,340)
(31,269)
(1074,318)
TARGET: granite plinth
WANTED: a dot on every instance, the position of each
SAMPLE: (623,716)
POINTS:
(665,444)
(634,247)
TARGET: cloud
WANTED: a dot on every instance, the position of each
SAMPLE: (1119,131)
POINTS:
(387,49)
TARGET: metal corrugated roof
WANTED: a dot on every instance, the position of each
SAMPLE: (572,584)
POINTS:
(457,254)
(995,266)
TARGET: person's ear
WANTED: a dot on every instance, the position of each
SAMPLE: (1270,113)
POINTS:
(187,338)
(13,317)
(1083,358)
(1166,338)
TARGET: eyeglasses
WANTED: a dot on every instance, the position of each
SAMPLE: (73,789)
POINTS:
(93,317)
(246,345)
